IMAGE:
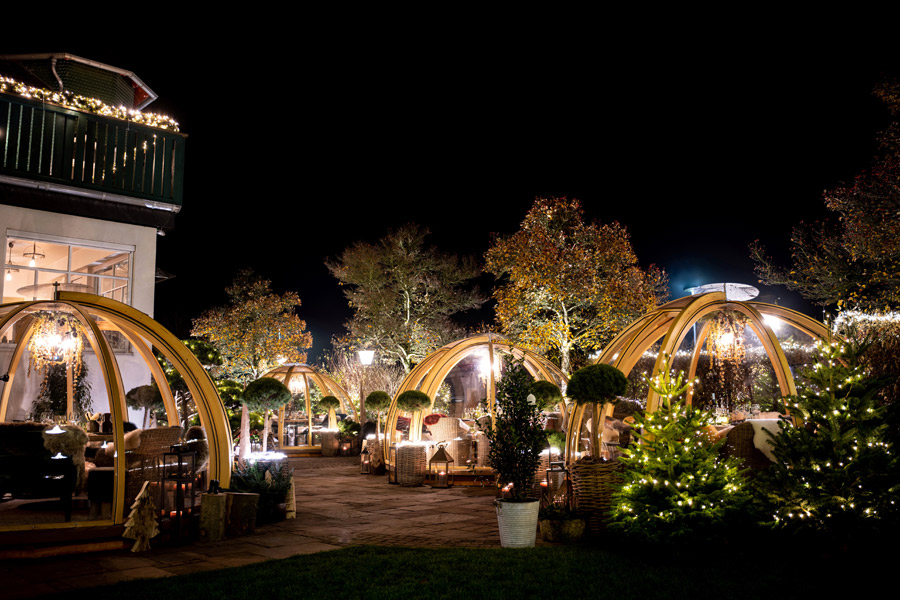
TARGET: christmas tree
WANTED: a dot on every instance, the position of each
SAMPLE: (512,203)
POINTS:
(141,524)
(836,472)
(675,483)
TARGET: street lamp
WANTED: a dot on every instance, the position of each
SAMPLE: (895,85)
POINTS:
(365,359)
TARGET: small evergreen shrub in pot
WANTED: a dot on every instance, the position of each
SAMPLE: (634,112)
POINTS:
(516,444)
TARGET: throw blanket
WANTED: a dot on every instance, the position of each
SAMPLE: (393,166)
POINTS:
(71,443)
(761,438)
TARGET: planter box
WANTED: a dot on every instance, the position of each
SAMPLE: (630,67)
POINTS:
(565,531)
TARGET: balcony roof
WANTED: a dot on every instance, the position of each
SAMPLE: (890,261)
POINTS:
(64,71)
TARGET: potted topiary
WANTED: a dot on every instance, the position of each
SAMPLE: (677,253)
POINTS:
(331,404)
(266,394)
(329,436)
(414,401)
(517,440)
(378,401)
(593,478)
(546,393)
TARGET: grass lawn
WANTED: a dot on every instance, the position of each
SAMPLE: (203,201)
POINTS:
(546,572)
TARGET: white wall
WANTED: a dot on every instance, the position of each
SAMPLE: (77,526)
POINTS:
(38,222)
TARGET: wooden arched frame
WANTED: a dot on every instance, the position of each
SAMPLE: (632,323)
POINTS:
(95,314)
(672,321)
(306,373)
(429,374)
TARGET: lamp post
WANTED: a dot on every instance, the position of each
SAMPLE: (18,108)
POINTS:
(365,359)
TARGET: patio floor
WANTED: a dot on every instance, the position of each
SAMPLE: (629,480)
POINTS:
(336,507)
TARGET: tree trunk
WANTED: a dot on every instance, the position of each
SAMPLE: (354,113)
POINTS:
(265,439)
(564,359)
(244,449)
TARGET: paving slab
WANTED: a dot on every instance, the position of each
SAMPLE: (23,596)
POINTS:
(336,507)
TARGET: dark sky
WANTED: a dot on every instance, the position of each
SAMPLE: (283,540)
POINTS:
(295,153)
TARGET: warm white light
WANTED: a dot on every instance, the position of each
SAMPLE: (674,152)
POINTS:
(773,322)
(56,430)
(366,357)
(295,385)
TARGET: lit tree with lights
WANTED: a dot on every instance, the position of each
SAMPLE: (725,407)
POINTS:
(252,333)
(676,484)
(837,472)
(567,286)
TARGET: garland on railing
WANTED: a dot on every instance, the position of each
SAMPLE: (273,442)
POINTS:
(69,99)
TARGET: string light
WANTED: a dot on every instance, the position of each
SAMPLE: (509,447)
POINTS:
(69,99)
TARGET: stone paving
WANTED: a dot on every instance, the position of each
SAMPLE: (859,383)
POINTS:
(336,507)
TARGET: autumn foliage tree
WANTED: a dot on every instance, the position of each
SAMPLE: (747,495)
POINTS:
(566,284)
(255,330)
(854,263)
(404,293)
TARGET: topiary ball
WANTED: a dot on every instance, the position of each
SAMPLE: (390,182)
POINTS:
(546,392)
(266,394)
(329,403)
(378,401)
(597,383)
(413,400)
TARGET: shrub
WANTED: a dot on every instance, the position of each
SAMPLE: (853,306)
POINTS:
(838,473)
(518,436)
(675,484)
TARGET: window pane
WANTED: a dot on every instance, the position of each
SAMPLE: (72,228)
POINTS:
(46,255)
(92,260)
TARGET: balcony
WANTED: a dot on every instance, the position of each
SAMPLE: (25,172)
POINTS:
(98,156)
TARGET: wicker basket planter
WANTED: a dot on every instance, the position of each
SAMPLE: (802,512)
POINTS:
(518,523)
(329,443)
(593,484)
(410,465)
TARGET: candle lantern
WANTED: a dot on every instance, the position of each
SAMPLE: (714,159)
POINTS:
(392,466)
(178,472)
(556,475)
(365,464)
(439,473)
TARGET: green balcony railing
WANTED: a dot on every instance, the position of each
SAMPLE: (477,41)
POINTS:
(53,144)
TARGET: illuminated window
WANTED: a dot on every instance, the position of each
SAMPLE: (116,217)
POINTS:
(34,264)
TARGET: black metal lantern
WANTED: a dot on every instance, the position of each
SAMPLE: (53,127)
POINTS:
(178,471)
(439,469)
(557,474)
(365,464)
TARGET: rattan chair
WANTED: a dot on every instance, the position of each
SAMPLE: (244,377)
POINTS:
(141,464)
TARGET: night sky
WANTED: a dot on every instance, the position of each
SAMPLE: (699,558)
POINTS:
(295,153)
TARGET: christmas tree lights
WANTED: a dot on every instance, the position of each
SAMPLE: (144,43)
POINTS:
(676,484)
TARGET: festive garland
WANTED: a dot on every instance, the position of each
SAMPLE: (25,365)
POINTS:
(69,99)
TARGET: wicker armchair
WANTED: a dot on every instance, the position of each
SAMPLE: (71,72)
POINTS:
(739,444)
(445,430)
(141,464)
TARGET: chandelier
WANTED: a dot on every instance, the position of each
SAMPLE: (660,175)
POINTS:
(56,339)
(725,341)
